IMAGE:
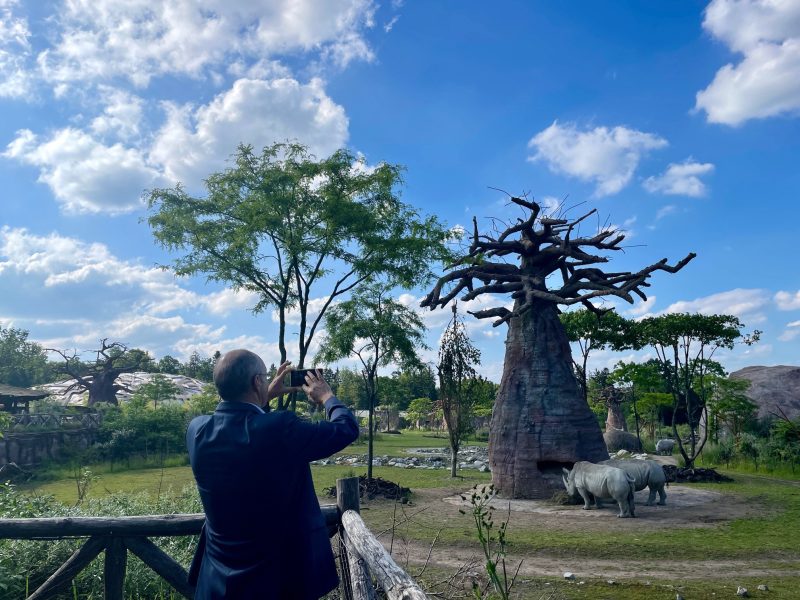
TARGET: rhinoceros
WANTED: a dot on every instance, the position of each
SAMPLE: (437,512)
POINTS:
(665,446)
(601,481)
(647,473)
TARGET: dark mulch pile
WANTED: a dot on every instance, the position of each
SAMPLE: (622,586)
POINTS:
(683,475)
(376,487)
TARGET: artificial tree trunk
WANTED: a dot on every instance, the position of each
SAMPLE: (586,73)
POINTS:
(615,418)
(541,421)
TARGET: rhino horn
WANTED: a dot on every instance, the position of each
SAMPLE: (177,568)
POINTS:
(566,472)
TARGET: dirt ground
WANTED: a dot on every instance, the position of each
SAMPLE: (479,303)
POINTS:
(686,507)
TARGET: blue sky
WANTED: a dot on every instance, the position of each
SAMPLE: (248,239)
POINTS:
(678,121)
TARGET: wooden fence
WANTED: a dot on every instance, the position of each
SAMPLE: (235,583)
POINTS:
(361,555)
(25,421)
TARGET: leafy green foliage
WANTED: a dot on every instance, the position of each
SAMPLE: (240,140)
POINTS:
(22,363)
(283,224)
(685,344)
(378,331)
(595,332)
(457,376)
(492,540)
(158,389)
(203,403)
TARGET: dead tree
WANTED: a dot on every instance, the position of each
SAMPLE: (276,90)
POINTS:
(100,378)
(541,421)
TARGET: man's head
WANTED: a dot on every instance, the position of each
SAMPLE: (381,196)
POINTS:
(241,376)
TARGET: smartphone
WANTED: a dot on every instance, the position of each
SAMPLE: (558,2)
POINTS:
(297,377)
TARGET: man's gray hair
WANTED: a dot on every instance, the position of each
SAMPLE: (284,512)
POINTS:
(234,373)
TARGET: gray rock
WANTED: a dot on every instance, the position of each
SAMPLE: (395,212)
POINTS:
(742,592)
(569,575)
(773,387)
(763,588)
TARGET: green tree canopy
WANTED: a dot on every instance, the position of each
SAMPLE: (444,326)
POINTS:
(593,330)
(685,345)
(292,228)
(378,331)
(22,363)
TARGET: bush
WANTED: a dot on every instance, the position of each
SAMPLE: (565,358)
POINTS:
(26,564)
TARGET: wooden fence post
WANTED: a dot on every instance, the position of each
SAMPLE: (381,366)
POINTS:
(114,569)
(356,581)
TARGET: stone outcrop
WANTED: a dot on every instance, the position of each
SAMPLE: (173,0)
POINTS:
(772,388)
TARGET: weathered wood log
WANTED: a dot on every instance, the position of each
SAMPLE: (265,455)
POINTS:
(356,581)
(397,584)
(114,569)
(59,527)
(67,572)
(162,563)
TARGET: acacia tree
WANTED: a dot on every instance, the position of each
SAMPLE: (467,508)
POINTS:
(100,377)
(456,369)
(685,345)
(378,331)
(541,421)
(295,230)
(593,331)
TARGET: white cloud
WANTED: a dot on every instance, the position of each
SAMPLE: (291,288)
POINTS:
(643,308)
(788,300)
(141,39)
(121,116)
(766,82)
(606,157)
(58,280)
(85,175)
(15,51)
(665,210)
(792,331)
(194,142)
(747,304)
(680,179)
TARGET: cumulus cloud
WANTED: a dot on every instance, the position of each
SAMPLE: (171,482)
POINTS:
(196,140)
(607,157)
(15,51)
(58,280)
(680,179)
(792,331)
(665,211)
(766,81)
(747,304)
(788,300)
(84,174)
(122,114)
(103,39)
(643,308)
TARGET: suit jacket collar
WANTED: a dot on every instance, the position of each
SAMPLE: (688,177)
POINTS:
(226,406)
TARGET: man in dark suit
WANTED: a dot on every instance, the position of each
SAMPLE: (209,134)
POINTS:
(265,536)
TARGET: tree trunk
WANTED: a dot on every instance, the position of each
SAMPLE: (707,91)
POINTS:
(102,389)
(370,436)
(615,418)
(541,422)
(454,456)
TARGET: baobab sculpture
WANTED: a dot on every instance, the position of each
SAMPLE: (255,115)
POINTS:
(541,422)
(100,378)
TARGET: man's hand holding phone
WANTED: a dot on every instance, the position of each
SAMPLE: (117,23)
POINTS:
(316,388)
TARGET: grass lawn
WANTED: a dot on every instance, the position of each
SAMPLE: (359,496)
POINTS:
(395,444)
(175,478)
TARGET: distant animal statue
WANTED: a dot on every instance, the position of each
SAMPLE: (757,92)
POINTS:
(601,481)
(647,473)
(617,439)
(665,447)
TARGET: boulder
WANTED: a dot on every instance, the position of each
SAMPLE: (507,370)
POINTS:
(772,388)
(616,440)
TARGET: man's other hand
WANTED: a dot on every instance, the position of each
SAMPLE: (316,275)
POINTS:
(316,388)
(276,386)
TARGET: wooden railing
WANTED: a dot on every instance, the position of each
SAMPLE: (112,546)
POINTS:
(25,421)
(361,555)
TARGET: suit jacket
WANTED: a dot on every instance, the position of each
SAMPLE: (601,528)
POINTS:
(265,536)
